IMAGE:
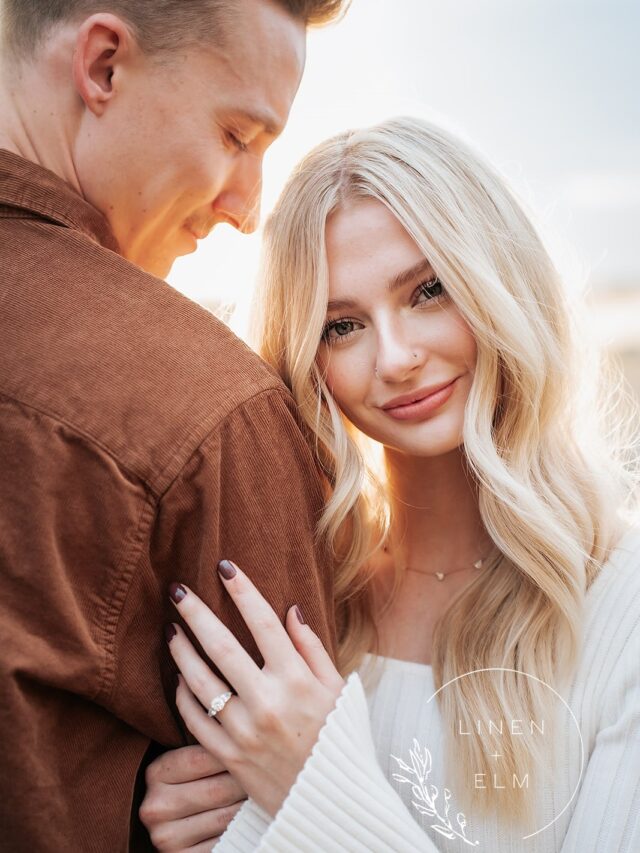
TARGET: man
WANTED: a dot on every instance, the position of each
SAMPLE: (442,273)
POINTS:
(140,441)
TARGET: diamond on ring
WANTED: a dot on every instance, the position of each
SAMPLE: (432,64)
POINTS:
(218,703)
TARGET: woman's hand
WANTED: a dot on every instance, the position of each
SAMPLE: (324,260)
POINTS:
(265,733)
(190,801)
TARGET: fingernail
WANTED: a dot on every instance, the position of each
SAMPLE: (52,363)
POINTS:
(227,569)
(170,632)
(177,592)
(300,616)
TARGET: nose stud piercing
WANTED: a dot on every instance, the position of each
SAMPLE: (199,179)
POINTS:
(375,369)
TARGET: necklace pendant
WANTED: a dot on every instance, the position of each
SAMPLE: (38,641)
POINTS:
(439,575)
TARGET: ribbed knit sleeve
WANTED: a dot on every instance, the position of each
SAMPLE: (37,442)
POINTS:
(341,799)
(607,811)
(245,831)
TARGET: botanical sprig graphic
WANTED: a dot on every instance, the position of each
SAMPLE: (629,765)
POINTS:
(427,794)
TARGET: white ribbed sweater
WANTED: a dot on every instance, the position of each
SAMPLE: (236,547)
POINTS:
(346,799)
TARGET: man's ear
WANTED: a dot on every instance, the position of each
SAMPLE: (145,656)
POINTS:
(103,42)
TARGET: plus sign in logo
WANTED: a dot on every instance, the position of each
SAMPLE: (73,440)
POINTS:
(435,802)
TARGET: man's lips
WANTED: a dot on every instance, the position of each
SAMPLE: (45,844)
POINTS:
(199,233)
(416,396)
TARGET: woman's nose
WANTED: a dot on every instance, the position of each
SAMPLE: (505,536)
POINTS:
(397,359)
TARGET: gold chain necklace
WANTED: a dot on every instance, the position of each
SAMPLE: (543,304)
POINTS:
(442,575)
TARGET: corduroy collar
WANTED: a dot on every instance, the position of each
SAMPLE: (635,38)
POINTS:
(37,191)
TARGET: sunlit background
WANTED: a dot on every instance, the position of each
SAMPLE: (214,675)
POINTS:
(547,89)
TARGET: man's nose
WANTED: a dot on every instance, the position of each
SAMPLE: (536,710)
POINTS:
(241,201)
(250,220)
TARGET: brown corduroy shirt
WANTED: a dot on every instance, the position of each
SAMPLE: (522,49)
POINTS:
(140,443)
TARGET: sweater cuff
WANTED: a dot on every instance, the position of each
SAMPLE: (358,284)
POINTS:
(245,830)
(341,799)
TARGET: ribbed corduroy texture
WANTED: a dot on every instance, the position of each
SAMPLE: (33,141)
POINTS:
(342,800)
(140,443)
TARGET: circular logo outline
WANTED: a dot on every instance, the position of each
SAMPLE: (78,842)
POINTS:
(564,702)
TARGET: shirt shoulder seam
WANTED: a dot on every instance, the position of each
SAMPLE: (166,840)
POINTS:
(274,388)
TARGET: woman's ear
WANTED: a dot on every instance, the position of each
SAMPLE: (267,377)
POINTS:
(103,42)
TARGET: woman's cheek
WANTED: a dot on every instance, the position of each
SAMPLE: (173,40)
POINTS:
(459,332)
(347,378)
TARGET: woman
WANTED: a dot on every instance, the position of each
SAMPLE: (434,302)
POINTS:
(489,591)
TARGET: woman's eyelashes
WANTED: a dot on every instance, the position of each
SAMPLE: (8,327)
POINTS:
(337,331)
(426,293)
(432,291)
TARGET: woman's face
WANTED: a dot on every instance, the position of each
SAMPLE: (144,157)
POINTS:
(398,356)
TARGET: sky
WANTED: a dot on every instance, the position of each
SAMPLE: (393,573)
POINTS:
(547,89)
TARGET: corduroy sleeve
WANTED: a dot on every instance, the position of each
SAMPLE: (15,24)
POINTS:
(251,492)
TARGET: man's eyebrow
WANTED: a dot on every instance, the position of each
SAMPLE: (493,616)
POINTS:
(422,267)
(265,120)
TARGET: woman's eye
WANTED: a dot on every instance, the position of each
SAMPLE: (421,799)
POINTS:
(338,330)
(430,290)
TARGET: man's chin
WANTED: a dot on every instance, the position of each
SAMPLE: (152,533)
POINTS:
(160,265)
(156,267)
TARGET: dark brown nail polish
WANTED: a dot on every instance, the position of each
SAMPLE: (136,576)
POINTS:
(300,616)
(170,632)
(227,569)
(177,592)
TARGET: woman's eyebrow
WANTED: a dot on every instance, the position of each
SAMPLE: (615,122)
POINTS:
(423,266)
(339,304)
(405,277)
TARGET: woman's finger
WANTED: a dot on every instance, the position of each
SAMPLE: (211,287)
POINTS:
(261,619)
(206,686)
(218,642)
(311,650)
(202,682)
(205,730)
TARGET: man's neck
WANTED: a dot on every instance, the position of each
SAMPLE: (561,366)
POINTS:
(31,124)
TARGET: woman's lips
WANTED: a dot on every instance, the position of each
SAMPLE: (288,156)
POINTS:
(424,407)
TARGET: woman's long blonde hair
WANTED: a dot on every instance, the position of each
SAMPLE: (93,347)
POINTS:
(548,480)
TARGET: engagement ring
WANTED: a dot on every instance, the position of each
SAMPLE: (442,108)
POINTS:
(218,703)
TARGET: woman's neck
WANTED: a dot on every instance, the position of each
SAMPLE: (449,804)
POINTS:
(436,527)
(434,503)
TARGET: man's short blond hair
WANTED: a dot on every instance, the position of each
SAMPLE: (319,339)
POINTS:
(159,25)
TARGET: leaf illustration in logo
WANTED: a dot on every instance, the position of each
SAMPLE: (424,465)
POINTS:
(424,809)
(423,758)
(447,801)
(426,795)
(443,830)
(416,790)
(402,764)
